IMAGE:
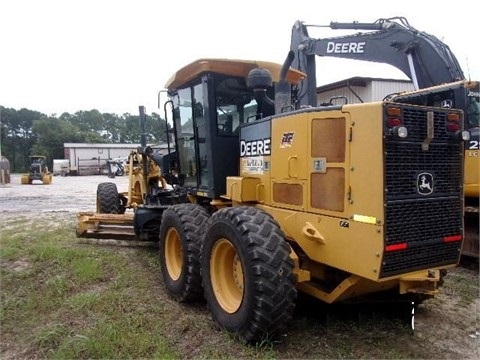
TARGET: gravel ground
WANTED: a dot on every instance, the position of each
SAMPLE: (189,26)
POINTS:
(70,194)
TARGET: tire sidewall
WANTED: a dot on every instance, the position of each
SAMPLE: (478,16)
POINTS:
(240,318)
(108,200)
(169,220)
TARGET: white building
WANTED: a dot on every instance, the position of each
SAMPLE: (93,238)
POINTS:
(89,159)
(360,89)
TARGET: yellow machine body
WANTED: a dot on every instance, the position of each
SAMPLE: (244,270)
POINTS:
(321,175)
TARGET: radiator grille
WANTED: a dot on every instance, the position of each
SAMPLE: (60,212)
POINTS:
(404,161)
(422,221)
(412,222)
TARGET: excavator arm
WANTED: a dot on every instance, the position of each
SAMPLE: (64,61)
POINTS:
(425,59)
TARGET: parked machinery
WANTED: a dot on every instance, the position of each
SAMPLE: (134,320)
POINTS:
(38,170)
(259,198)
(427,61)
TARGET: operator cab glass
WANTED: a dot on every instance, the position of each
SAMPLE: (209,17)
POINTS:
(207,116)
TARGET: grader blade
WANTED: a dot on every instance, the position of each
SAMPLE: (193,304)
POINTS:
(105,226)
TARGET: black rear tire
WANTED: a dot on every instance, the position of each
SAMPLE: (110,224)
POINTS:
(181,233)
(108,200)
(247,273)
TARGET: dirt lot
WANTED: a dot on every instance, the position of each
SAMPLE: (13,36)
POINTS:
(65,195)
(445,327)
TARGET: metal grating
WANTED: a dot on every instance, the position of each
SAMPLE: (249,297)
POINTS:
(422,221)
(404,161)
(415,120)
(420,258)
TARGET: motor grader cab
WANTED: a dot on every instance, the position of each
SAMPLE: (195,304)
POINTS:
(433,69)
(268,198)
(38,170)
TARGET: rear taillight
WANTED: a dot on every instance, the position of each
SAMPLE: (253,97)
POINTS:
(454,127)
(452,238)
(453,122)
(396,247)
(394,122)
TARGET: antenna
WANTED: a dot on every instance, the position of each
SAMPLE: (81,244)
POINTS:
(468,69)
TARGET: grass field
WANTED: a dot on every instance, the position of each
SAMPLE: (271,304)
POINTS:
(62,298)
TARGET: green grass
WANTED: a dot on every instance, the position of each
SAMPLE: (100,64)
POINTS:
(64,299)
(68,300)
(462,284)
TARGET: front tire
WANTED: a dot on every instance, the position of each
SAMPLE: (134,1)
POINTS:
(247,274)
(25,179)
(47,179)
(181,233)
(108,200)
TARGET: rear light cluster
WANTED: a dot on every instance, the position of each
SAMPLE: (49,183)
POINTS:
(453,122)
(454,127)
(394,122)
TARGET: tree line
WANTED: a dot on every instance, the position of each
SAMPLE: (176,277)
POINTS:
(27,132)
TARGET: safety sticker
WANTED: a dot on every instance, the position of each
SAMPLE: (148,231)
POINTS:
(287,139)
(253,165)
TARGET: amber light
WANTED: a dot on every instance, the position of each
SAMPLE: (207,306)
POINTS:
(394,111)
(453,117)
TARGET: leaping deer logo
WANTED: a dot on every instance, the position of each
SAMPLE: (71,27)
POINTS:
(425,183)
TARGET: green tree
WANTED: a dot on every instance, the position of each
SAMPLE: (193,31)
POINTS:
(51,133)
(154,127)
(17,137)
(25,132)
(114,127)
(88,121)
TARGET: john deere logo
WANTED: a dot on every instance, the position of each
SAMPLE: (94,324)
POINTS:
(425,183)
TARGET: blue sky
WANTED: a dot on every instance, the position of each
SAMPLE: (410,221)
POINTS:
(113,56)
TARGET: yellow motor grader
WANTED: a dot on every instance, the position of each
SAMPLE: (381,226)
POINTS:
(38,170)
(258,198)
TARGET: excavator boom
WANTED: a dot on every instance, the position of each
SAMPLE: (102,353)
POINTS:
(422,57)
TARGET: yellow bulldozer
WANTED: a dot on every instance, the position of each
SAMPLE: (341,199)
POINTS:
(38,170)
(257,198)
